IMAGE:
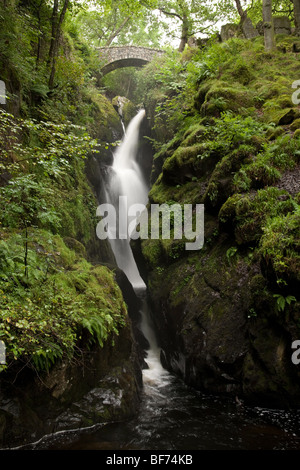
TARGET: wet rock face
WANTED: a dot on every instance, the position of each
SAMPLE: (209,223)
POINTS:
(217,330)
(208,328)
(103,384)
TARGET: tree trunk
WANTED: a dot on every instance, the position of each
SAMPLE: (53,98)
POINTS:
(38,52)
(53,30)
(268,25)
(242,13)
(56,29)
(115,33)
(246,24)
(184,33)
(26,252)
(296,4)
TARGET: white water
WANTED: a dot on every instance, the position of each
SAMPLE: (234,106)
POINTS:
(155,376)
(127,180)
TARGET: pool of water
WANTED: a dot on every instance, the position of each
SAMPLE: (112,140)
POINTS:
(175,417)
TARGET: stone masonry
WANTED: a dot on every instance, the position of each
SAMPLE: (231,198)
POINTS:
(126,56)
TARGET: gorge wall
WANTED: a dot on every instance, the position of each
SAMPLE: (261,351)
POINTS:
(217,310)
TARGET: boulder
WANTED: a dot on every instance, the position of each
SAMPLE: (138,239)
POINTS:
(100,385)
(229,31)
(248,29)
(282,25)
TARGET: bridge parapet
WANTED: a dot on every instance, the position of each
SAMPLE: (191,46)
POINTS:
(126,56)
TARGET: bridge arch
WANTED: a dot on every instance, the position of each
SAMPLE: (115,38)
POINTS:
(115,57)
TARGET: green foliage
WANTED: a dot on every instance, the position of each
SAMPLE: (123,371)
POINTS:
(268,219)
(252,313)
(282,302)
(44,320)
(161,86)
(234,129)
(281,155)
(122,82)
(221,59)
(50,299)
(46,162)
(231,253)
(41,143)
(17,61)
(25,204)
(116,23)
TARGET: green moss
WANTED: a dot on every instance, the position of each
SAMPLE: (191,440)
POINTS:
(201,94)
(267,166)
(240,70)
(295,125)
(273,134)
(297,134)
(220,183)
(105,118)
(181,161)
(188,193)
(248,216)
(287,43)
(227,212)
(274,113)
(152,252)
(222,97)
(183,156)
(268,90)
(129,111)
(75,245)
(280,243)
(194,135)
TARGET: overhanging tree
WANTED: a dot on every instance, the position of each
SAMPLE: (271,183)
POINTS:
(105,26)
(195,16)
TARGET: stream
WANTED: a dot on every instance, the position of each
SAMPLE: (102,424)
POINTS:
(175,417)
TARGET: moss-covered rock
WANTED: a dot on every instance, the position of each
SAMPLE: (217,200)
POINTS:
(297,134)
(106,126)
(219,320)
(102,385)
(295,125)
(188,162)
(222,97)
(69,339)
(273,112)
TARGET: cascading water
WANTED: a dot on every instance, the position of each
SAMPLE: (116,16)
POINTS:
(127,180)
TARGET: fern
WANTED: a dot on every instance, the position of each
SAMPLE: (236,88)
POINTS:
(99,326)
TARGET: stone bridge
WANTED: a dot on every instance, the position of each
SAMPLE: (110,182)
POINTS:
(115,57)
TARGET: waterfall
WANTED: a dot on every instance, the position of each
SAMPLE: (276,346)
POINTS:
(127,180)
